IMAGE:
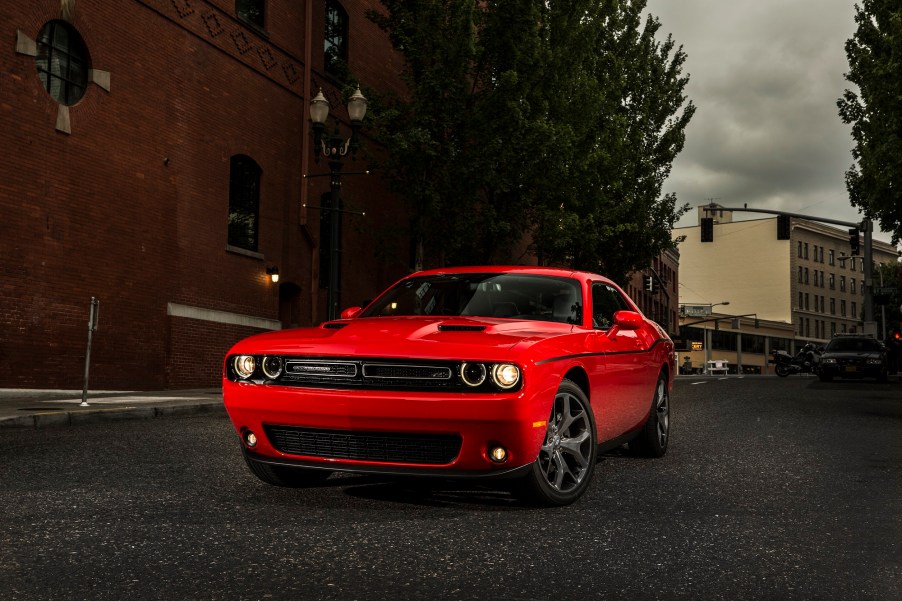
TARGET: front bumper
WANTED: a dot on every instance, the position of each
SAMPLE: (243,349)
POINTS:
(846,369)
(362,430)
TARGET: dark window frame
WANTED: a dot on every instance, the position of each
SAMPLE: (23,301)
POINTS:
(63,62)
(244,202)
(335,38)
(252,12)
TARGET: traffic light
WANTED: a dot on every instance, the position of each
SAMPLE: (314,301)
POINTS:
(648,283)
(783,227)
(707,229)
(855,241)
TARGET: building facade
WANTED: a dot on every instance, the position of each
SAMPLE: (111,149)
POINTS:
(804,282)
(155,160)
(661,302)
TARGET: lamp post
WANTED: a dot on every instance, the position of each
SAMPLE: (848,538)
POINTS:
(708,336)
(334,147)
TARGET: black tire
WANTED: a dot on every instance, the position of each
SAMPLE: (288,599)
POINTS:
(566,461)
(781,370)
(280,475)
(655,434)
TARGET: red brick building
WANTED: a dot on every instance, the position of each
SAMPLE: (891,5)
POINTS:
(661,303)
(153,158)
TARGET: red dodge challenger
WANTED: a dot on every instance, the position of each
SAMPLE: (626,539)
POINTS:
(517,373)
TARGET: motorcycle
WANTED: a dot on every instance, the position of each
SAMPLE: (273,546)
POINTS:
(805,362)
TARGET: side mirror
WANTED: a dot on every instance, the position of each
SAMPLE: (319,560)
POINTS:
(625,320)
(351,312)
(628,320)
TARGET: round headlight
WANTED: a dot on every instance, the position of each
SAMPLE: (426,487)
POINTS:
(272,367)
(473,374)
(505,375)
(244,366)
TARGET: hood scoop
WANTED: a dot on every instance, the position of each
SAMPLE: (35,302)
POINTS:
(450,327)
(334,325)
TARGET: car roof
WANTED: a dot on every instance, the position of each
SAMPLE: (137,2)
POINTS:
(524,269)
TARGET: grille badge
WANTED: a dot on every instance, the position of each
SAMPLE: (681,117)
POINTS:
(317,368)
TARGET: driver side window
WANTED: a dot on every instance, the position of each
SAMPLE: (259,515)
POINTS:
(606,301)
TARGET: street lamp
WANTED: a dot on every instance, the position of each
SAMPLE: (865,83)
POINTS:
(334,147)
(708,339)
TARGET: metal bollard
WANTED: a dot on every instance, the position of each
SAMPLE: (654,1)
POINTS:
(92,327)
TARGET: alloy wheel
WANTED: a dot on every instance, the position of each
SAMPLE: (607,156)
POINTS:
(565,455)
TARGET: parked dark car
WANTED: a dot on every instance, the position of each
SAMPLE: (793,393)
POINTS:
(853,356)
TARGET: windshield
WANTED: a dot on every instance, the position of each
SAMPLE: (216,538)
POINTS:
(861,345)
(517,296)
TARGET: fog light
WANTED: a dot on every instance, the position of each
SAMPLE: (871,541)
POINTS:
(250,439)
(498,454)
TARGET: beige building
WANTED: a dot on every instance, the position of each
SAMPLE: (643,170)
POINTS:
(800,289)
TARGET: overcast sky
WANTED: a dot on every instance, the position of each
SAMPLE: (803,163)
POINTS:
(765,76)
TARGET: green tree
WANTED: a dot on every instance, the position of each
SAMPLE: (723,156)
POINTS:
(875,112)
(554,121)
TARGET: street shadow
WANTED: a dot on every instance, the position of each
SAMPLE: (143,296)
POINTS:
(434,493)
(853,384)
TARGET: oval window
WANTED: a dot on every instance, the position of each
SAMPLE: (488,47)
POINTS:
(62,62)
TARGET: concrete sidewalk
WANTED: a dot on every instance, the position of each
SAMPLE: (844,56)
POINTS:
(48,408)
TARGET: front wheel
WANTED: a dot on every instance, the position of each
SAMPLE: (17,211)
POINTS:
(566,461)
(781,370)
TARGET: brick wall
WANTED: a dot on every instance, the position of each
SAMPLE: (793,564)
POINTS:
(131,206)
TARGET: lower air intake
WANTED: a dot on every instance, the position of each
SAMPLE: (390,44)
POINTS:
(431,449)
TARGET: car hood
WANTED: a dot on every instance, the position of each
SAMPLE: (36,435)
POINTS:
(482,338)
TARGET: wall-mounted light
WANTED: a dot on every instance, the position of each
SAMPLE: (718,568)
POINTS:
(273,273)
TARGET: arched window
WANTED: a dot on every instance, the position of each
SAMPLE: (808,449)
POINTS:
(62,62)
(336,37)
(244,202)
(252,11)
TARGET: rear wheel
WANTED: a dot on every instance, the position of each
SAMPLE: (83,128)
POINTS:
(782,371)
(280,475)
(566,461)
(653,438)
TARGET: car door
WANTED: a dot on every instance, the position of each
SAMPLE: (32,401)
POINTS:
(622,396)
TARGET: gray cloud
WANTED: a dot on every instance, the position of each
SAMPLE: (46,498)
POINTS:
(765,76)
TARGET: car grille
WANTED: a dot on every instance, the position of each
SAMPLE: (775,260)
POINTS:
(370,374)
(434,449)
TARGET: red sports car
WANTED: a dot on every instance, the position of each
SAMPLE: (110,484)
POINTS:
(517,373)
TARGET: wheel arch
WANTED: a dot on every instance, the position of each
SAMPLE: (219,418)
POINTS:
(578,376)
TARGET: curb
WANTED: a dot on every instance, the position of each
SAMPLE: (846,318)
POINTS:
(50,418)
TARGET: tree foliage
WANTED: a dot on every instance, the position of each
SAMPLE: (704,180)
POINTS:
(552,121)
(875,112)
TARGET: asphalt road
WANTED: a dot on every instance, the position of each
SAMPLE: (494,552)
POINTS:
(772,489)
